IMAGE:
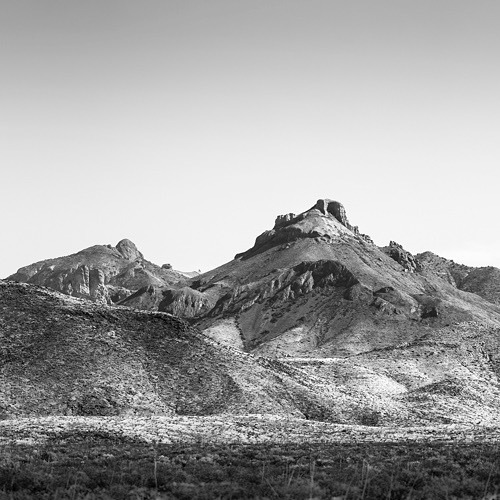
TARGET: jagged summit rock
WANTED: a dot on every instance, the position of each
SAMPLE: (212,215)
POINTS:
(128,249)
(326,206)
(335,208)
(327,219)
(283,220)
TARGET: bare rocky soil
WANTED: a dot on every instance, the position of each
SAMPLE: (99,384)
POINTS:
(237,430)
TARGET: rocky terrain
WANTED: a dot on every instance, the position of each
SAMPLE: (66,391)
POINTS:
(484,281)
(313,321)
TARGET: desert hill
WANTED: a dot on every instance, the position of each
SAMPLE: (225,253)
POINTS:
(65,356)
(314,286)
(449,375)
(102,273)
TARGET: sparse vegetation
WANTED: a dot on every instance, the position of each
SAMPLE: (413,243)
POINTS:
(99,465)
(245,457)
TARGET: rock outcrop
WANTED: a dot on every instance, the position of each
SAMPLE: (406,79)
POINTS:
(403,257)
(97,287)
(326,219)
(128,249)
(186,302)
(326,206)
(283,220)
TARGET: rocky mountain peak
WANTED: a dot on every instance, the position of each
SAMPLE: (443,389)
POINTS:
(327,206)
(326,219)
(283,220)
(331,207)
(128,249)
(336,209)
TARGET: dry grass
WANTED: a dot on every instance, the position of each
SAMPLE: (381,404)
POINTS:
(249,457)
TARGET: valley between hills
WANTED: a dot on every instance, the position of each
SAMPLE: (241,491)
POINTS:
(313,340)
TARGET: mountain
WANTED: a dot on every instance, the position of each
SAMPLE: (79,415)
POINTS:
(313,285)
(102,273)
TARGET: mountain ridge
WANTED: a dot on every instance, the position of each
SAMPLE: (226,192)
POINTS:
(102,273)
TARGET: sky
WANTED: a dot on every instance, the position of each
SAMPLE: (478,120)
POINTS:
(188,125)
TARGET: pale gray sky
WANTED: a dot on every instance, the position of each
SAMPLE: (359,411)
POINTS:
(188,125)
